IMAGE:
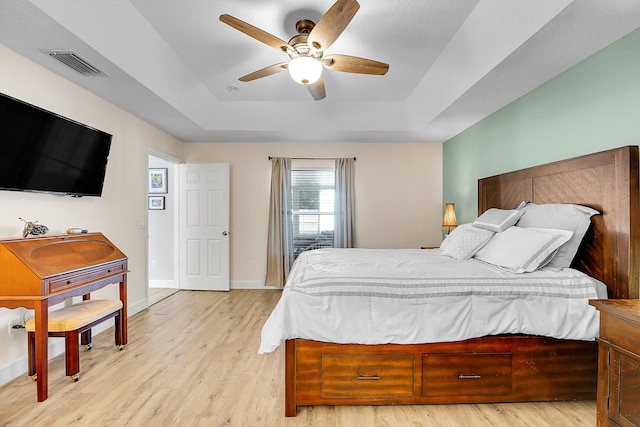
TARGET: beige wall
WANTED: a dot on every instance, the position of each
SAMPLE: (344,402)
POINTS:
(398,194)
(116,213)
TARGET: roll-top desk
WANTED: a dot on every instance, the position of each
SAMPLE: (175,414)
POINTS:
(38,272)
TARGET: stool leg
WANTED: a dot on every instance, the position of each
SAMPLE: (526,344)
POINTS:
(31,344)
(118,330)
(86,339)
(72,355)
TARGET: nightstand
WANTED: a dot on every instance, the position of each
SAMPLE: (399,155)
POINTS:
(618,362)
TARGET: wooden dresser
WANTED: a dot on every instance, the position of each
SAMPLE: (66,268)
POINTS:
(619,362)
(38,272)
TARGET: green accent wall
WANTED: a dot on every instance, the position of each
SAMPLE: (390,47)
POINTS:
(591,107)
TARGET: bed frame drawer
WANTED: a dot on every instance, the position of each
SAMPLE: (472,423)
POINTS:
(479,374)
(513,368)
(367,375)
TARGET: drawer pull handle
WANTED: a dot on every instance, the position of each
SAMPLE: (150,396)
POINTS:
(368,377)
(68,282)
(473,376)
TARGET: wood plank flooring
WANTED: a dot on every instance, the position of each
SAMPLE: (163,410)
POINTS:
(192,361)
(158,294)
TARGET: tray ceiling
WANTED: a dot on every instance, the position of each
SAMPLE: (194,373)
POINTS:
(452,63)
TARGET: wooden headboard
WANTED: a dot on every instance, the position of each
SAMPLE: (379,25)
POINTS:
(607,181)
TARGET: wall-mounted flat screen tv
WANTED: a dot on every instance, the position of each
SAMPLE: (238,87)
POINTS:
(43,152)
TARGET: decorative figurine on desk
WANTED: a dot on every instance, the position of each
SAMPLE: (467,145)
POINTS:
(33,228)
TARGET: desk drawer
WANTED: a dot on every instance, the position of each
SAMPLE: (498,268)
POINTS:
(367,375)
(77,278)
(482,374)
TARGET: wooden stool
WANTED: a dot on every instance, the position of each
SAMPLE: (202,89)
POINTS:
(71,321)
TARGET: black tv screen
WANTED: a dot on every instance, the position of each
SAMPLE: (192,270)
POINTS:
(44,152)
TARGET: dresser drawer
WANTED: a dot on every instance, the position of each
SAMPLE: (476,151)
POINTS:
(482,374)
(367,375)
(622,333)
(70,280)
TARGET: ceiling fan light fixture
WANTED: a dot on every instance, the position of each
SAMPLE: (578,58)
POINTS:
(305,70)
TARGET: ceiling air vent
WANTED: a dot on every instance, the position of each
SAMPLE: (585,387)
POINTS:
(76,63)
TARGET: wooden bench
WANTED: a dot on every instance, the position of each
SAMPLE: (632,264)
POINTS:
(70,322)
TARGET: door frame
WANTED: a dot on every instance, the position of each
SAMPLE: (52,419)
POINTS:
(173,187)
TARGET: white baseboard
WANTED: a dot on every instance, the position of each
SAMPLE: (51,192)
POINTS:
(137,307)
(163,284)
(19,366)
(238,284)
(13,370)
(250,285)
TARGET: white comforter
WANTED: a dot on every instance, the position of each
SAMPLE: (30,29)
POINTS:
(404,296)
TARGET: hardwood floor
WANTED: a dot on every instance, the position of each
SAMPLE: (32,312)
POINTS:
(192,361)
(158,294)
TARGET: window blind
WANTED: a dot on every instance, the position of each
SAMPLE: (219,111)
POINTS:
(313,198)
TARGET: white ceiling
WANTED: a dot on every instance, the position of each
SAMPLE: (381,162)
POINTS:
(452,62)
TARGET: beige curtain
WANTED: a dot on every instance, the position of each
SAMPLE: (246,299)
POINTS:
(280,237)
(344,204)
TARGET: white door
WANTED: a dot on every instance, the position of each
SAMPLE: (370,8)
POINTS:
(204,227)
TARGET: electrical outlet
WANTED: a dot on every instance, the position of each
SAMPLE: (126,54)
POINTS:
(15,325)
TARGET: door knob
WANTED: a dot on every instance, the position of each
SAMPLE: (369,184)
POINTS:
(225,233)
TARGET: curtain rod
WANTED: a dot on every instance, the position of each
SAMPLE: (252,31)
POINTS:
(313,158)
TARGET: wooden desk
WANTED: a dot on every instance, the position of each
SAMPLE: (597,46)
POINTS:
(38,272)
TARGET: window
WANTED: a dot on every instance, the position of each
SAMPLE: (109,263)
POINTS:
(313,198)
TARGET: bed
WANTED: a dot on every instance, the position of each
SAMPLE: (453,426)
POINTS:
(494,368)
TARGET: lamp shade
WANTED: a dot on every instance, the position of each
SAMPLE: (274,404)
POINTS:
(449,220)
(305,70)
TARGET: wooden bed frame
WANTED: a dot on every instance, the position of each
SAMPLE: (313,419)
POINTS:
(510,368)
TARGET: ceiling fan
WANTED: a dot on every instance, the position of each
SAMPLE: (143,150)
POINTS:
(306,49)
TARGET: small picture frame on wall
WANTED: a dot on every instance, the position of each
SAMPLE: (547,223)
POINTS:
(158,180)
(156,203)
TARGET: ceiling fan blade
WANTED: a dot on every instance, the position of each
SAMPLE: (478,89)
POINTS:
(255,32)
(353,64)
(332,24)
(266,71)
(317,89)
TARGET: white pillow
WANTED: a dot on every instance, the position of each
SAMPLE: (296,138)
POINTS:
(464,244)
(569,217)
(451,237)
(498,220)
(521,250)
